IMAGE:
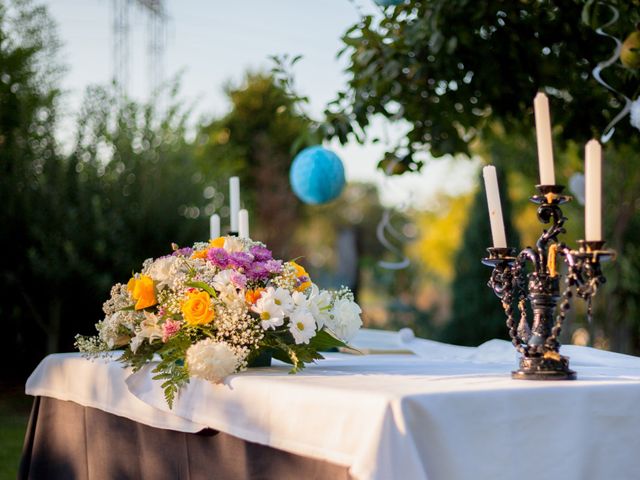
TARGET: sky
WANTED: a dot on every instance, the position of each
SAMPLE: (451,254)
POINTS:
(213,42)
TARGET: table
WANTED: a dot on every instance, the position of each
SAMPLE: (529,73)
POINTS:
(446,412)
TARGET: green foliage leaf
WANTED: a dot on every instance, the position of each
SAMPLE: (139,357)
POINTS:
(323,341)
(203,286)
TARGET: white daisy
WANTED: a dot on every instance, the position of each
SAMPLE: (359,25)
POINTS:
(299,300)
(282,298)
(271,314)
(302,325)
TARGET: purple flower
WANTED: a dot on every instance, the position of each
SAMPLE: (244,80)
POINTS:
(261,254)
(183,252)
(240,259)
(238,280)
(257,271)
(219,257)
(273,266)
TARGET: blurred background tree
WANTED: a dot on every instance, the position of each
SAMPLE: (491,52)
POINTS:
(462,75)
(76,223)
(32,173)
(254,141)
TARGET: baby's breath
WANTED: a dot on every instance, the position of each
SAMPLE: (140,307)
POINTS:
(287,279)
(119,299)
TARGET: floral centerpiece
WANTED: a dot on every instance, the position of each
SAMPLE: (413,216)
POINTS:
(218,308)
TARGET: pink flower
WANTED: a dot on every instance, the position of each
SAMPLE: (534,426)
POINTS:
(169,329)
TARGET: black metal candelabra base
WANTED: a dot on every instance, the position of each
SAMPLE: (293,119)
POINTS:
(544,368)
(515,285)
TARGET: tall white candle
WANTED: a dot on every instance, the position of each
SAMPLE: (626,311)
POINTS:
(214,226)
(543,136)
(243,223)
(234,202)
(593,194)
(495,208)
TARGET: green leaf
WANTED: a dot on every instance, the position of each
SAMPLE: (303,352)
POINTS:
(203,286)
(326,341)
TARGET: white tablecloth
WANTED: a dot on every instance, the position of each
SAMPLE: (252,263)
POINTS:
(446,413)
(99,383)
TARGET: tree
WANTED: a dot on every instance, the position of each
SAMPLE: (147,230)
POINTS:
(74,225)
(463,74)
(30,165)
(450,69)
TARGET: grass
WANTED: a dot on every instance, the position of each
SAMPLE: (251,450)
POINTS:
(15,407)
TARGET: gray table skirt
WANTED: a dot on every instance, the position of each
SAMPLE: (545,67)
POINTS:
(66,441)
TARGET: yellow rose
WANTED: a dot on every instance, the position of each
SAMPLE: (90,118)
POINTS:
(196,309)
(142,291)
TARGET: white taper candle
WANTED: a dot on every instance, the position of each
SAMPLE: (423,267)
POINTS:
(214,226)
(495,208)
(234,202)
(593,194)
(543,136)
(243,223)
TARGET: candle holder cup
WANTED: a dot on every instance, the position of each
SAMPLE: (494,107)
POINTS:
(514,284)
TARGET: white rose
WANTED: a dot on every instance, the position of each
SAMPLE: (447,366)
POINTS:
(161,270)
(222,280)
(233,244)
(211,360)
(344,319)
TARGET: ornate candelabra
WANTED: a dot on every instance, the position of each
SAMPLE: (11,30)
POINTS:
(514,284)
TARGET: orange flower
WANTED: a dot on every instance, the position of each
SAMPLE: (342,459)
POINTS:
(303,277)
(142,291)
(252,296)
(200,253)
(197,309)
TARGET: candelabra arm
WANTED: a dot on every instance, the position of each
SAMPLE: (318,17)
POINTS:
(531,255)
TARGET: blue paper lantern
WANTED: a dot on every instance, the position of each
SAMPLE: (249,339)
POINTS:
(316,175)
(388,3)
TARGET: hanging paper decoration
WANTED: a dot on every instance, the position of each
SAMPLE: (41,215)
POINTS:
(317,175)
(610,129)
(385,228)
(577,186)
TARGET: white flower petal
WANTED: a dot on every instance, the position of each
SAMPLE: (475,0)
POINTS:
(211,360)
